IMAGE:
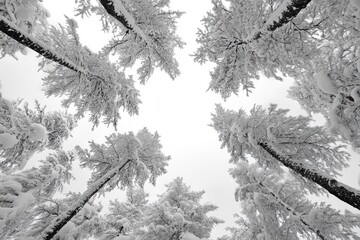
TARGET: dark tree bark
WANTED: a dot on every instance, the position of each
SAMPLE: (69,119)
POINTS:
(18,35)
(291,12)
(343,192)
(110,9)
(64,218)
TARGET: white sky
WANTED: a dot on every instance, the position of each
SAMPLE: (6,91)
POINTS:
(179,110)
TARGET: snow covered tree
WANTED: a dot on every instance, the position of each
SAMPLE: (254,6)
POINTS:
(245,38)
(20,137)
(88,80)
(142,30)
(243,229)
(314,42)
(178,214)
(280,204)
(124,216)
(85,224)
(21,191)
(239,38)
(25,131)
(276,140)
(58,124)
(125,159)
(29,16)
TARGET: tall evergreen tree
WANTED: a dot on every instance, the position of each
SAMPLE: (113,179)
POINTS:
(276,140)
(178,214)
(24,131)
(21,192)
(142,30)
(85,223)
(125,159)
(28,16)
(124,217)
(314,42)
(88,80)
(280,204)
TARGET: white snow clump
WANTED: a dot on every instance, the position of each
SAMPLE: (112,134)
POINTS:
(7,140)
(38,132)
(188,236)
(324,82)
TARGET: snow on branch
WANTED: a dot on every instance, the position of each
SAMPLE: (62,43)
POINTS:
(25,39)
(121,10)
(64,218)
(288,10)
(93,76)
(148,32)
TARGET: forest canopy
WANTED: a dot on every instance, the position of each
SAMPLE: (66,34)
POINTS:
(281,167)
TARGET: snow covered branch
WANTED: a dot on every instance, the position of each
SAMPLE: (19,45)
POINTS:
(288,10)
(109,6)
(64,218)
(25,39)
(142,30)
(291,210)
(344,192)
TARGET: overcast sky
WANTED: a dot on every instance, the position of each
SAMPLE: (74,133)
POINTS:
(179,110)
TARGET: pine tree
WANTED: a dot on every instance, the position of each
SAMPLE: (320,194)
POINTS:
(276,140)
(280,204)
(142,30)
(85,78)
(124,217)
(28,16)
(239,39)
(20,192)
(125,159)
(178,214)
(314,42)
(86,223)
(25,131)
(93,84)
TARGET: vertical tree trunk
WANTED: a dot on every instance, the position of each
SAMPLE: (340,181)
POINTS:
(343,192)
(64,218)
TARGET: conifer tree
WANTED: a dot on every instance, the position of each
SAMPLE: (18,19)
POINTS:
(276,140)
(142,30)
(313,42)
(21,192)
(125,159)
(178,214)
(24,131)
(280,205)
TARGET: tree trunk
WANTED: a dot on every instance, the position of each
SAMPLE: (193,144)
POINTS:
(64,218)
(110,9)
(121,14)
(25,39)
(344,192)
(291,11)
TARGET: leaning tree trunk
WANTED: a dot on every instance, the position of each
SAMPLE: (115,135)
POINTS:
(11,30)
(110,9)
(291,10)
(64,218)
(119,12)
(343,192)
